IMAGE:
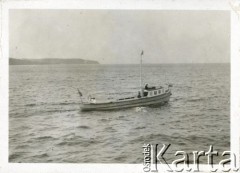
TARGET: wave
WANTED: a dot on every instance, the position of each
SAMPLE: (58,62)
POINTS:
(176,99)
(111,129)
(104,120)
(197,139)
(83,127)
(22,146)
(175,139)
(51,104)
(120,117)
(61,110)
(196,100)
(45,138)
(213,109)
(120,158)
(42,155)
(16,155)
(31,105)
(152,137)
(140,127)
(82,143)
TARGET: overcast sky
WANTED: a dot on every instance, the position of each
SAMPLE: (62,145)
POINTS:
(119,36)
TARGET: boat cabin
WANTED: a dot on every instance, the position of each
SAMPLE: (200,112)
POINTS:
(145,93)
(153,91)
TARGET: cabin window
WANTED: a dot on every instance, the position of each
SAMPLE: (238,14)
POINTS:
(155,92)
(159,91)
(150,93)
(145,93)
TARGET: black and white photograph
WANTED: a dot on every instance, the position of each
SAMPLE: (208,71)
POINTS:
(104,82)
(120,86)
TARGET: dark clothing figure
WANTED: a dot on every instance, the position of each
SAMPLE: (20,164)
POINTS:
(145,93)
(139,94)
(146,86)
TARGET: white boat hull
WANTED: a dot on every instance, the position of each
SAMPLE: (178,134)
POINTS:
(122,104)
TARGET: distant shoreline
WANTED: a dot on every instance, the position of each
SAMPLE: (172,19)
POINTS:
(49,61)
(56,61)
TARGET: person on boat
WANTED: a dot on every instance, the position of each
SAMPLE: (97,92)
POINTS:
(139,94)
(146,86)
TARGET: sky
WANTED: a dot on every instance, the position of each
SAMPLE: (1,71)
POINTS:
(119,36)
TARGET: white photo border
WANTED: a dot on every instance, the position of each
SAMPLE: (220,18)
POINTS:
(232,6)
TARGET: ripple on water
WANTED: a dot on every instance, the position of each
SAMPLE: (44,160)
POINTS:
(140,127)
(83,127)
(42,138)
(50,118)
(43,155)
(80,142)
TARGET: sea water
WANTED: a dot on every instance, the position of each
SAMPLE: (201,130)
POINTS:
(46,124)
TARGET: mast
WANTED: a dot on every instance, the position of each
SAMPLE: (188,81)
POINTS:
(141,90)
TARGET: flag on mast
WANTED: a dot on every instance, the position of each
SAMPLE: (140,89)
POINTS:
(80,94)
(142,52)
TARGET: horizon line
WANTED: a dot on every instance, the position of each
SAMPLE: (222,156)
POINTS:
(126,63)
